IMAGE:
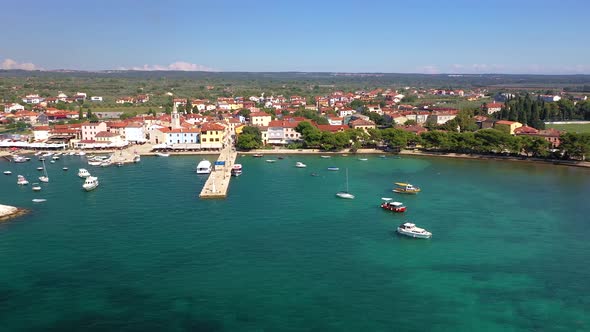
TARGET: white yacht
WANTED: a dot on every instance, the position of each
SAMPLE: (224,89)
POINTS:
(204,167)
(409,229)
(300,164)
(36,187)
(83,173)
(7,172)
(91,183)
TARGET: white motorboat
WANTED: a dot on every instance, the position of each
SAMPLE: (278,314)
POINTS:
(7,172)
(81,153)
(270,160)
(39,200)
(36,187)
(21,181)
(409,229)
(363,159)
(333,168)
(326,157)
(90,183)
(204,167)
(136,158)
(65,168)
(300,164)
(55,157)
(45,177)
(162,154)
(83,173)
(236,170)
(39,168)
(95,162)
(345,194)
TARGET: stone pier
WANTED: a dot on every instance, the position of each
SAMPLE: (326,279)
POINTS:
(218,182)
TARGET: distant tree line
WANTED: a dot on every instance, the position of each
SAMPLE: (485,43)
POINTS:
(534,111)
(485,141)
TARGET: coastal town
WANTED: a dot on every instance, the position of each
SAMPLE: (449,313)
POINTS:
(203,125)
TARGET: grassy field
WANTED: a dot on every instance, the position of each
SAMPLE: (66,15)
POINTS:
(574,128)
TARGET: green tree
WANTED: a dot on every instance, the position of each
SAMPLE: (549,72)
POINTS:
(247,142)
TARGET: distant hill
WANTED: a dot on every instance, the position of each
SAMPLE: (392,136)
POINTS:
(374,79)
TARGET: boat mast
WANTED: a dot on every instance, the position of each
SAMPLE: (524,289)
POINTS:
(347,180)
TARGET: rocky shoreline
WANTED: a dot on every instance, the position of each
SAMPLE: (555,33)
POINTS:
(8,212)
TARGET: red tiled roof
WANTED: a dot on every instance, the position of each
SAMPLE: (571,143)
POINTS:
(525,130)
(106,134)
(259,114)
(212,126)
(332,128)
(505,122)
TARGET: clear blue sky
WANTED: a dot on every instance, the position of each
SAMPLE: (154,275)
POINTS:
(428,36)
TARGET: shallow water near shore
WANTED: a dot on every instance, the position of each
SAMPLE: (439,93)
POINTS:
(282,253)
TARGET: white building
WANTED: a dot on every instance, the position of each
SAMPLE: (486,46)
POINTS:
(135,132)
(32,99)
(13,107)
(90,129)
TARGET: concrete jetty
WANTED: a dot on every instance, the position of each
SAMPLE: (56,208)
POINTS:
(218,181)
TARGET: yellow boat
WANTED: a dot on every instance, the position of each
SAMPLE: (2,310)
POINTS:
(406,188)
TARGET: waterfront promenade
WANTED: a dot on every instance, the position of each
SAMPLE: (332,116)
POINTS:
(218,182)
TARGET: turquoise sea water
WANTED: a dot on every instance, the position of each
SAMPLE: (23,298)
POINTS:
(510,248)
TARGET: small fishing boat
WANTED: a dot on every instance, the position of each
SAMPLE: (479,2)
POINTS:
(119,164)
(392,206)
(36,187)
(7,172)
(409,229)
(406,188)
(21,181)
(300,165)
(90,183)
(280,157)
(333,168)
(257,155)
(236,170)
(83,173)
(314,174)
